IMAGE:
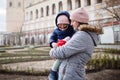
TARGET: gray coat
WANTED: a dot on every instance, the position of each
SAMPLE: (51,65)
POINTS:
(74,55)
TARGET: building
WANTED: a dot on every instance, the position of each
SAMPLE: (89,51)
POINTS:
(15,15)
(34,19)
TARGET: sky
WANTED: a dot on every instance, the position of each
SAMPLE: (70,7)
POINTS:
(2,15)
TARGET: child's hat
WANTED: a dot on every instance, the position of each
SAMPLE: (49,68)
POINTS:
(62,19)
(80,15)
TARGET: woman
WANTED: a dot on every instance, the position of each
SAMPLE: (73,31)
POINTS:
(78,50)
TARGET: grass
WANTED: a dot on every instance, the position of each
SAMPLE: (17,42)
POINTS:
(22,59)
(25,56)
(99,61)
(22,54)
(107,50)
(8,70)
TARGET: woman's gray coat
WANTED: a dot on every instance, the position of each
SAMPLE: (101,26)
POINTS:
(74,55)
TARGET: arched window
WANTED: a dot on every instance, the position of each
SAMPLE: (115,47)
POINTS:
(53,9)
(10,4)
(69,5)
(88,3)
(31,15)
(19,4)
(36,13)
(47,11)
(60,6)
(42,12)
(77,3)
(26,16)
(99,1)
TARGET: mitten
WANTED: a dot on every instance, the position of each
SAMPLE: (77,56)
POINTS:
(61,42)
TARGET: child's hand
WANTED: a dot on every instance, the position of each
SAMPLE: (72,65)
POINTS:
(54,45)
(61,42)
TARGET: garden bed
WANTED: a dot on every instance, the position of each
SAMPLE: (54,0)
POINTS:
(102,75)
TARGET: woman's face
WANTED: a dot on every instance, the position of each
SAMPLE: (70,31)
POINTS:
(75,24)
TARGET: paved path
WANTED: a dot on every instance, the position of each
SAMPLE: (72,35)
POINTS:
(13,50)
(36,65)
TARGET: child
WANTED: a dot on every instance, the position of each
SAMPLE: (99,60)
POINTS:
(63,30)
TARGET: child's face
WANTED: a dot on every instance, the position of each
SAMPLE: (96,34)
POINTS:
(62,26)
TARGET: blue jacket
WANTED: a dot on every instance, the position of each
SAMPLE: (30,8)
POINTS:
(57,33)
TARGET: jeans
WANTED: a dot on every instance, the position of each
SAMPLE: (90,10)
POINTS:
(53,75)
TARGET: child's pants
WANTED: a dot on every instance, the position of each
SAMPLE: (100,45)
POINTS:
(53,75)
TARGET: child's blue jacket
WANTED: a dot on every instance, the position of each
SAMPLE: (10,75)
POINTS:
(57,33)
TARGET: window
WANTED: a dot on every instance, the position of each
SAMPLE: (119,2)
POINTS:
(53,9)
(42,12)
(60,6)
(36,13)
(77,3)
(26,16)
(31,15)
(47,11)
(99,1)
(69,3)
(10,4)
(88,3)
(19,4)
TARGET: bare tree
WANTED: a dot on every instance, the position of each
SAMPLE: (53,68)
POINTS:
(113,6)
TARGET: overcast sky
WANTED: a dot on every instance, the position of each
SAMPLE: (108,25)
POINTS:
(2,15)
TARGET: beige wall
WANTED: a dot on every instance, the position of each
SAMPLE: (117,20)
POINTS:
(15,15)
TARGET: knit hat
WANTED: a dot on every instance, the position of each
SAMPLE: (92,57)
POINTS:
(80,15)
(62,19)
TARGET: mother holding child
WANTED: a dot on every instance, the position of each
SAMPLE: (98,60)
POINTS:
(75,54)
